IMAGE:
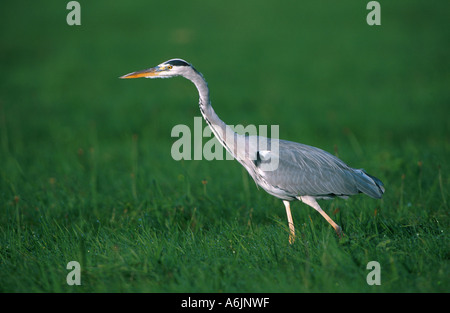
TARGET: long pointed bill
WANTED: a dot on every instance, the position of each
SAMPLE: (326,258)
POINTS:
(151,72)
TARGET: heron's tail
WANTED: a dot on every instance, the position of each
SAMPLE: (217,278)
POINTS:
(369,184)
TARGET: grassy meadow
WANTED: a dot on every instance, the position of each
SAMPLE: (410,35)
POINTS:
(86,172)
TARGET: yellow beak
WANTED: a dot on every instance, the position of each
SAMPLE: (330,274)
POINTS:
(151,72)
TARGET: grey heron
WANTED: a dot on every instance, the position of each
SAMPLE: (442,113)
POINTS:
(302,172)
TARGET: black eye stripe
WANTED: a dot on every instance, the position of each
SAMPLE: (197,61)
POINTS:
(177,63)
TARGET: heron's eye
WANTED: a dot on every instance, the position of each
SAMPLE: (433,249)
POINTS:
(169,67)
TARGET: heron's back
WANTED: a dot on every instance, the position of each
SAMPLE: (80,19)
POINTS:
(304,170)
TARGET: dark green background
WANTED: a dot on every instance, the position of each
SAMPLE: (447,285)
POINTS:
(81,148)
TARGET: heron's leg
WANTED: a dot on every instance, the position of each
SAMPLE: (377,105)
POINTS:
(287,204)
(313,203)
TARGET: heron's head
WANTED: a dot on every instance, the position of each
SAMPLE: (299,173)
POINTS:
(171,68)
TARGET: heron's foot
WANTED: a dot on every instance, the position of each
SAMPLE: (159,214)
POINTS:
(291,238)
(339,232)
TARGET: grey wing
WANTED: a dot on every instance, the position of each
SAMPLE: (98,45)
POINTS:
(303,170)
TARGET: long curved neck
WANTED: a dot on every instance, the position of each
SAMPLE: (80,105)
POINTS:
(223,132)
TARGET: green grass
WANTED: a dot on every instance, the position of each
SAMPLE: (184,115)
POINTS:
(85,166)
